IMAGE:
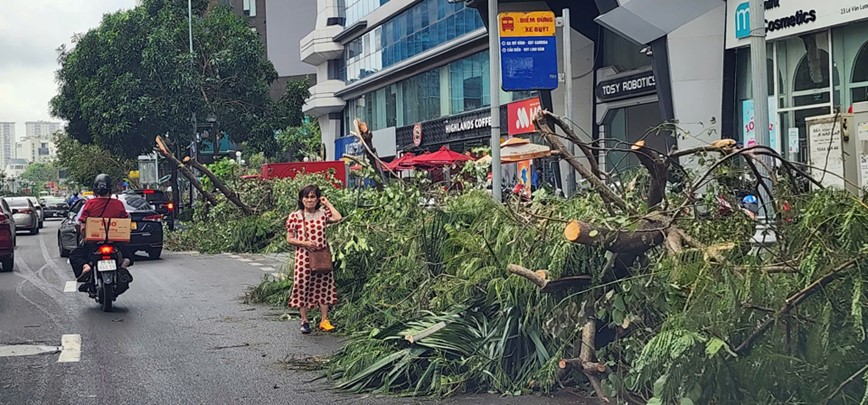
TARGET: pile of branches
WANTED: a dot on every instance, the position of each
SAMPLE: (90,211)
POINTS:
(661,233)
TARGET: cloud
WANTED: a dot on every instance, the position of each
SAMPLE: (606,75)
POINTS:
(30,33)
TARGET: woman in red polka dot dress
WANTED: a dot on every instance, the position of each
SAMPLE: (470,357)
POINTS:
(305,229)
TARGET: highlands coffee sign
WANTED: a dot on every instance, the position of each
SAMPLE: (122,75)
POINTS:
(784,18)
(628,86)
(467,124)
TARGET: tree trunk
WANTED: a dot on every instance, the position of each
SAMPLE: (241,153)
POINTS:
(230,195)
(638,241)
(164,150)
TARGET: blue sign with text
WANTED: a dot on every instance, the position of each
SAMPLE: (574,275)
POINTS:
(528,52)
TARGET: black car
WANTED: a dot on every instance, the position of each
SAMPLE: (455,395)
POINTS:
(146,227)
(54,207)
(159,202)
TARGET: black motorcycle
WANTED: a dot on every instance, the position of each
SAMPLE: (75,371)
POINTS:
(109,278)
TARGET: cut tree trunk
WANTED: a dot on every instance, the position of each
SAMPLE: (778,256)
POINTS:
(657,168)
(164,150)
(230,195)
(649,235)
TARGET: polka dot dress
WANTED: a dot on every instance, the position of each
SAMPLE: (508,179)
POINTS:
(310,289)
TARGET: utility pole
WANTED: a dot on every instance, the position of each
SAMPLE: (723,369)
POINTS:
(494,66)
(759,77)
(568,94)
(193,113)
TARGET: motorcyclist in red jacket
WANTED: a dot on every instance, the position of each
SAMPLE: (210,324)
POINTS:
(102,206)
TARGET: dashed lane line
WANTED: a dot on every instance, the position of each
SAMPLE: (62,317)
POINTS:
(69,287)
(267,268)
(70,349)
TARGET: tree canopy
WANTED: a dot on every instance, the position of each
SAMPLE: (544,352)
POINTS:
(84,162)
(133,77)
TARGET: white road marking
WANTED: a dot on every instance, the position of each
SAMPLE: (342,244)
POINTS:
(257,264)
(26,350)
(245,260)
(234,256)
(71,349)
(268,268)
(69,287)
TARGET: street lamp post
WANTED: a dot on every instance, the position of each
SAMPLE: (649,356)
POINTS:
(759,72)
(494,67)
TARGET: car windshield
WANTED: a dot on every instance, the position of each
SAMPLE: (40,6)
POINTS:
(16,202)
(54,200)
(135,203)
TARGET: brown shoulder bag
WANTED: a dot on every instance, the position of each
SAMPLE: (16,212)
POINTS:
(320,259)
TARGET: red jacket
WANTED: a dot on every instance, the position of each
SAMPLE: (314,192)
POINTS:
(103,208)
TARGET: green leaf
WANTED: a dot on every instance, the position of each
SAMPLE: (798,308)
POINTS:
(655,401)
(660,385)
(685,401)
(713,346)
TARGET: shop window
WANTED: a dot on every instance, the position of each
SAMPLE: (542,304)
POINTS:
(804,61)
(622,53)
(859,83)
(812,74)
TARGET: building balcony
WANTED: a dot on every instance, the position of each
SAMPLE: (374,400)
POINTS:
(319,46)
(323,100)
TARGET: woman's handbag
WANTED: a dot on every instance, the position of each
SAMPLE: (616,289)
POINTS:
(320,259)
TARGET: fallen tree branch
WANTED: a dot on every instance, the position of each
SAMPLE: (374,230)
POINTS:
(230,195)
(847,381)
(534,277)
(722,146)
(616,241)
(595,180)
(588,354)
(793,301)
(164,150)
(571,135)
(657,168)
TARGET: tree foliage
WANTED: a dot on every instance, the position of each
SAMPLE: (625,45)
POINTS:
(133,77)
(300,141)
(689,311)
(40,172)
(84,162)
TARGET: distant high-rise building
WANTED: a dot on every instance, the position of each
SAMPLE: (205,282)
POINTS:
(41,129)
(7,142)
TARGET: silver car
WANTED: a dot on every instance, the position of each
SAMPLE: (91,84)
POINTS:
(39,210)
(24,213)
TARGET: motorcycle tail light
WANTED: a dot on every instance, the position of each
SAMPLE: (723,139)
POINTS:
(106,250)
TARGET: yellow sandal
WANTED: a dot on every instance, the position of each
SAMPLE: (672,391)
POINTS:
(326,326)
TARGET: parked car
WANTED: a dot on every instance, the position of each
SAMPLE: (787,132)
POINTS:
(159,202)
(7,236)
(39,210)
(146,227)
(54,207)
(24,214)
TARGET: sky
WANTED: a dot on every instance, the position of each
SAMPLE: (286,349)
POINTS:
(30,33)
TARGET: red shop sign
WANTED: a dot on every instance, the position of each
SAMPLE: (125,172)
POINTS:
(520,116)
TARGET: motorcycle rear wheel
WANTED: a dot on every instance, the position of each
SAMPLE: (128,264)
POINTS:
(106,296)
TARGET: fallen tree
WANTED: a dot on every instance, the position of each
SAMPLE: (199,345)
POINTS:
(636,299)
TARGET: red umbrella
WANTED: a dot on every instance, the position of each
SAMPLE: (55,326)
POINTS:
(442,157)
(400,163)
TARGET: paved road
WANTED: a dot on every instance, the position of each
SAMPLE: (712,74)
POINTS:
(180,335)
